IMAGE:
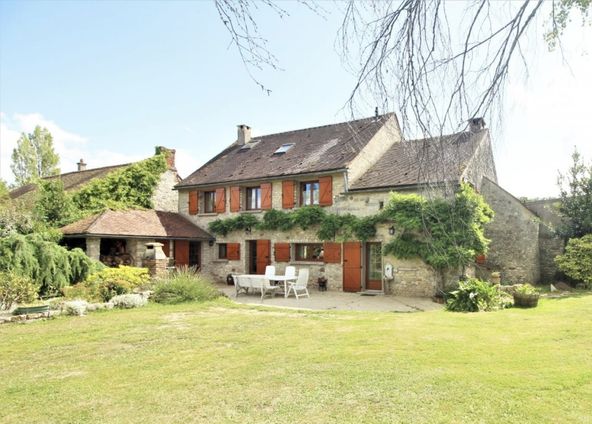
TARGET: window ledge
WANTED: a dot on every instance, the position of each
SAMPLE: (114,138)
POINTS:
(220,261)
(307,262)
(207,214)
(251,211)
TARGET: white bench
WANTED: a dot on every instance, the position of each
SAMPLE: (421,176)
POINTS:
(246,282)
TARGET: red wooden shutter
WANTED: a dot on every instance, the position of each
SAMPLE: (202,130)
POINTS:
(332,253)
(282,252)
(193,204)
(326,191)
(263,255)
(234,199)
(181,252)
(287,194)
(233,251)
(220,200)
(166,244)
(266,196)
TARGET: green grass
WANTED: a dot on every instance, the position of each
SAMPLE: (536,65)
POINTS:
(219,362)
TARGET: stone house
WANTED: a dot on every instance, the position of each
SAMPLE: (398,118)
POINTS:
(349,167)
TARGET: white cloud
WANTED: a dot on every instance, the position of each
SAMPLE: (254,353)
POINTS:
(71,147)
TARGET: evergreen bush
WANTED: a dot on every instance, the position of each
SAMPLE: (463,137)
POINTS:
(576,262)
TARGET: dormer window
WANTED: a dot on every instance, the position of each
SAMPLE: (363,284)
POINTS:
(283,148)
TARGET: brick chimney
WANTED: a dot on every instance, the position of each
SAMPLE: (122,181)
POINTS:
(243,134)
(169,155)
(81,165)
(476,124)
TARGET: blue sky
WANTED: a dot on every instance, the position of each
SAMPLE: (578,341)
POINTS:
(111,80)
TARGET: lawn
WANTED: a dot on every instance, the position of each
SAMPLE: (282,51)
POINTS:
(220,362)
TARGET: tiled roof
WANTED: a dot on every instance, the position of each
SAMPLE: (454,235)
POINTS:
(71,180)
(422,161)
(137,223)
(317,149)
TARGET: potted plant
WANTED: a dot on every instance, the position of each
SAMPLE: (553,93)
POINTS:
(526,296)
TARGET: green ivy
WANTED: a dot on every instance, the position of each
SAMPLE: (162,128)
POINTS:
(131,187)
(444,233)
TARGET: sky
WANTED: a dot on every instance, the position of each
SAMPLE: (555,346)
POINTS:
(112,80)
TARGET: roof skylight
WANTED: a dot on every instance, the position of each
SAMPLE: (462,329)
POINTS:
(283,148)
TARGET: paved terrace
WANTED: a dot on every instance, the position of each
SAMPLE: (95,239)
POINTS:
(333,300)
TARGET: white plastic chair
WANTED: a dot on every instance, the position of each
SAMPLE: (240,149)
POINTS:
(290,271)
(269,271)
(300,284)
(266,287)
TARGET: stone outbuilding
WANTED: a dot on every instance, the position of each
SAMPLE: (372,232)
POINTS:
(120,237)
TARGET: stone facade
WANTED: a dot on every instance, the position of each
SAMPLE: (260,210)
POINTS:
(165,198)
(514,235)
(550,245)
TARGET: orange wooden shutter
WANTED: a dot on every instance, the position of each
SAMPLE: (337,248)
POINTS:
(193,204)
(266,196)
(326,191)
(332,253)
(220,200)
(287,194)
(233,251)
(282,252)
(181,252)
(234,199)
(263,255)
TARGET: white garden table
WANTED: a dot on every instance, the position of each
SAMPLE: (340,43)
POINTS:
(285,280)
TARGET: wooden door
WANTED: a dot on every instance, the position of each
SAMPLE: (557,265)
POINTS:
(352,266)
(373,266)
(181,252)
(263,255)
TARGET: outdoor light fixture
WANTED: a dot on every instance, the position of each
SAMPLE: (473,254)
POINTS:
(392,230)
(210,243)
(248,230)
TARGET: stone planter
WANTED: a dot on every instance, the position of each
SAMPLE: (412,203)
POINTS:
(526,300)
(27,310)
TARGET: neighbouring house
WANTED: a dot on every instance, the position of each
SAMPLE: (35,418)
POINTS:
(120,237)
(349,167)
(163,197)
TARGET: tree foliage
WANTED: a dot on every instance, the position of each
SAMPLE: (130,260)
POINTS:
(53,205)
(575,189)
(50,266)
(576,262)
(34,157)
(4,197)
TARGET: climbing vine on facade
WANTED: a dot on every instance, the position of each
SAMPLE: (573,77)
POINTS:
(444,233)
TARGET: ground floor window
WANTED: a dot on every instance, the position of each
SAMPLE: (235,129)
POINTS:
(309,252)
(222,251)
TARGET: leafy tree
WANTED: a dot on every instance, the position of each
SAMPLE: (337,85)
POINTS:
(34,157)
(3,192)
(576,262)
(53,206)
(576,198)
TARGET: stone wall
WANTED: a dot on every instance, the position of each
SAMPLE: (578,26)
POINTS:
(164,197)
(93,247)
(514,234)
(550,245)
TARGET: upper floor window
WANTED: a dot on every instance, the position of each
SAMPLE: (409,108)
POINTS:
(253,198)
(209,201)
(309,251)
(309,193)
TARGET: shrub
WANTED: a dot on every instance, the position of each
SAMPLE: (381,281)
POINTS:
(576,262)
(82,291)
(184,286)
(111,282)
(128,301)
(475,295)
(16,289)
(75,307)
(526,289)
